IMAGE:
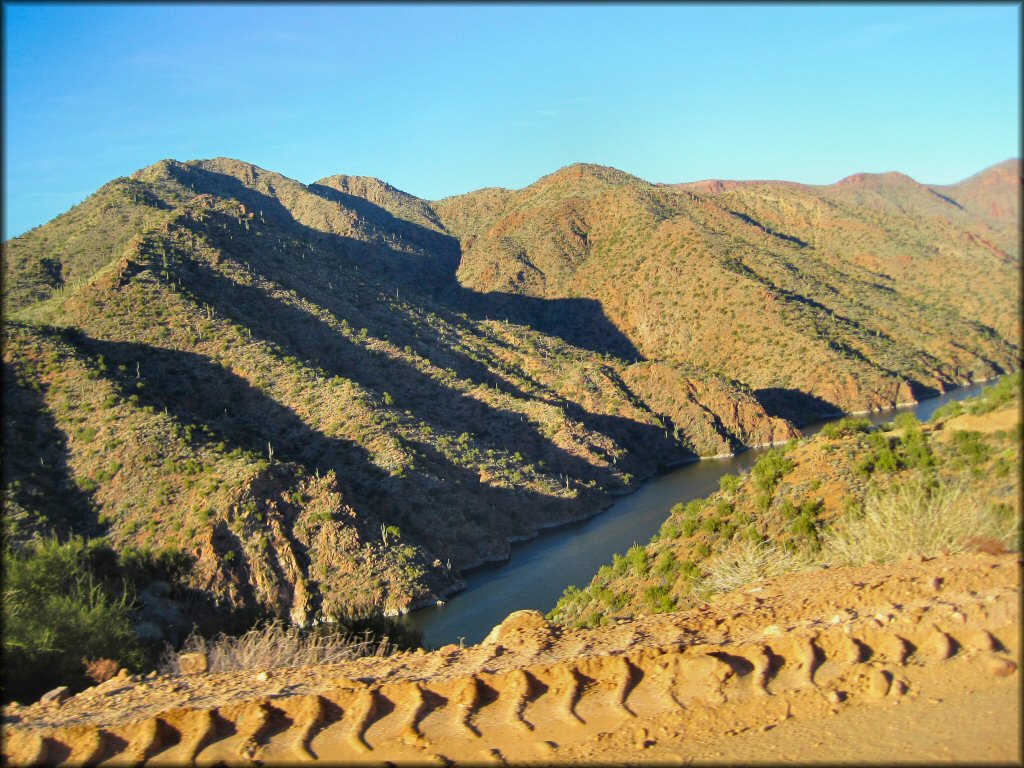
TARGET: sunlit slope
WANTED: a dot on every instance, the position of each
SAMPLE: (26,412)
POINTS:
(814,298)
(952,482)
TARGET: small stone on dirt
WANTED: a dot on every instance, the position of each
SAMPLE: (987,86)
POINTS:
(878,684)
(191,663)
(263,677)
(1001,667)
(57,696)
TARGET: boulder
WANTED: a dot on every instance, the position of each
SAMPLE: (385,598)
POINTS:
(56,696)
(191,663)
(519,628)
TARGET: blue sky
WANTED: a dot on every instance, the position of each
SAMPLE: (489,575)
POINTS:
(440,100)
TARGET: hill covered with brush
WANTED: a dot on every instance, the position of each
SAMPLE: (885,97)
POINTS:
(851,494)
(332,397)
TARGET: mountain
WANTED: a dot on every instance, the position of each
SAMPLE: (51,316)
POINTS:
(849,297)
(332,397)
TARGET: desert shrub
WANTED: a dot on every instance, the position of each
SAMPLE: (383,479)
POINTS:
(748,562)
(845,427)
(913,450)
(636,560)
(906,421)
(688,526)
(770,468)
(971,448)
(665,564)
(879,457)
(100,670)
(670,529)
(275,644)
(142,566)
(658,600)
(917,517)
(710,524)
(729,483)
(62,601)
(998,395)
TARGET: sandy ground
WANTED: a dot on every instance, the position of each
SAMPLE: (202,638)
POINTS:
(913,662)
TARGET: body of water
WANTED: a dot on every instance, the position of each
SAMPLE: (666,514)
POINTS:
(540,569)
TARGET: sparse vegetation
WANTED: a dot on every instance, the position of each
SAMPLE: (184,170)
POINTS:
(750,562)
(916,517)
(848,496)
(275,644)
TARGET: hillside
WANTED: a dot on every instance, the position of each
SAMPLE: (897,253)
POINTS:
(332,397)
(846,495)
(264,377)
(873,291)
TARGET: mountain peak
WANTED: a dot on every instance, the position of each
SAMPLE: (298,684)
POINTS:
(592,172)
(1008,171)
(888,179)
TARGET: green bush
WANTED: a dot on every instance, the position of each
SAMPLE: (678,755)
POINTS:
(63,603)
(845,427)
(879,456)
(769,469)
(729,483)
(949,410)
(998,395)
(913,450)
(658,600)
(636,559)
(971,448)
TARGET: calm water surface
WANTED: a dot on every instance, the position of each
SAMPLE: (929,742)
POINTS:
(540,569)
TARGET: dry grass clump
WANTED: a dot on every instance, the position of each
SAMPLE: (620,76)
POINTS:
(749,562)
(100,670)
(915,518)
(278,645)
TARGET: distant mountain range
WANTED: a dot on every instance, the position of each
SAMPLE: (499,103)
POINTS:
(334,396)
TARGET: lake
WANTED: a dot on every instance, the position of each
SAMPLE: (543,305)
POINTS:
(540,569)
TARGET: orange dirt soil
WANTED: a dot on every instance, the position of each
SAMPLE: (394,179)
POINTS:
(916,661)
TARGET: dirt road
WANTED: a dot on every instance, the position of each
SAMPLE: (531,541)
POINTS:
(916,661)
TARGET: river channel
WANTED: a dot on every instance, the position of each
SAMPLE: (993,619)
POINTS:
(540,568)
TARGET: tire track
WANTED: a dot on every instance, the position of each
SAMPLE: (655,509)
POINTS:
(534,709)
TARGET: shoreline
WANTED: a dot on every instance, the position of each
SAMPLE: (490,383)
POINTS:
(617,494)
